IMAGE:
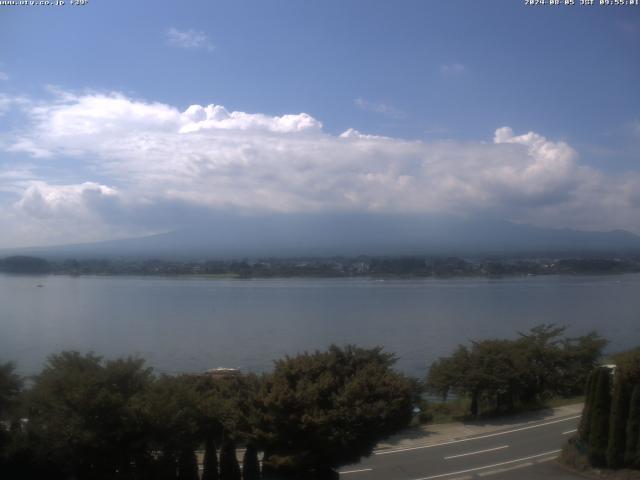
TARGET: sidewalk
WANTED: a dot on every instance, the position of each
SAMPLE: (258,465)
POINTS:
(445,432)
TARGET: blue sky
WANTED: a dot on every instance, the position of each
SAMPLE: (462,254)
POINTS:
(446,75)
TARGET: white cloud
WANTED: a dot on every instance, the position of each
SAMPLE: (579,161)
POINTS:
(156,158)
(452,69)
(8,102)
(211,117)
(355,134)
(4,76)
(45,201)
(188,39)
(379,107)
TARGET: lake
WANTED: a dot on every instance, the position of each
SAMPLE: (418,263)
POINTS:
(187,324)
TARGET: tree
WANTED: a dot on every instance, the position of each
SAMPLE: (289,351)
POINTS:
(80,413)
(618,422)
(445,373)
(188,465)
(229,468)
(587,411)
(542,360)
(632,450)
(580,357)
(250,464)
(10,387)
(24,264)
(628,364)
(330,408)
(168,411)
(210,462)
(502,374)
(599,430)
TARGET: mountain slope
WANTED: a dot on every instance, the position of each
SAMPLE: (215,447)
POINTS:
(344,234)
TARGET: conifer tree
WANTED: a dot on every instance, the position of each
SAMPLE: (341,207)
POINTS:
(617,422)
(188,465)
(250,465)
(585,421)
(632,450)
(229,468)
(210,462)
(601,410)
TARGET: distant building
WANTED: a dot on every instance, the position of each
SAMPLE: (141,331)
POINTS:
(222,372)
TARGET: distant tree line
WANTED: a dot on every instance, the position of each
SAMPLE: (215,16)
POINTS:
(499,375)
(24,264)
(390,266)
(83,417)
(609,432)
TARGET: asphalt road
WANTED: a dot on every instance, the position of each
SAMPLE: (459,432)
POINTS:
(529,450)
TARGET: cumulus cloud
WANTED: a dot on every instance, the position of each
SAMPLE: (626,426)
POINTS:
(45,201)
(154,159)
(214,117)
(355,134)
(188,39)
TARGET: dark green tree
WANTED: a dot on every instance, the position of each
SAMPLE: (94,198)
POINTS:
(632,445)
(210,462)
(587,411)
(499,375)
(541,361)
(10,387)
(188,465)
(229,467)
(618,422)
(580,356)
(250,464)
(80,413)
(326,409)
(601,410)
(169,413)
(628,363)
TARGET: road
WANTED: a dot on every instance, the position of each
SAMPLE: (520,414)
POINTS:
(527,449)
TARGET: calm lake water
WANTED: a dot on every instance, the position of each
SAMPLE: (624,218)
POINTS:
(191,324)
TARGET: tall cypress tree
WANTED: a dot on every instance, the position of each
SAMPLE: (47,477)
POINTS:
(632,450)
(210,462)
(167,467)
(250,465)
(229,468)
(188,465)
(601,410)
(585,421)
(618,422)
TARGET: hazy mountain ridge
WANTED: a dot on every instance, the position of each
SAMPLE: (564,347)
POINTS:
(326,235)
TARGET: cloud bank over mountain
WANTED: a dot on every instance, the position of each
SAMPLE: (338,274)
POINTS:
(91,166)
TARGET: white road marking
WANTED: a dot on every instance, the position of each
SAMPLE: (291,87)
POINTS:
(387,452)
(476,453)
(570,431)
(490,466)
(356,471)
(506,469)
(548,459)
